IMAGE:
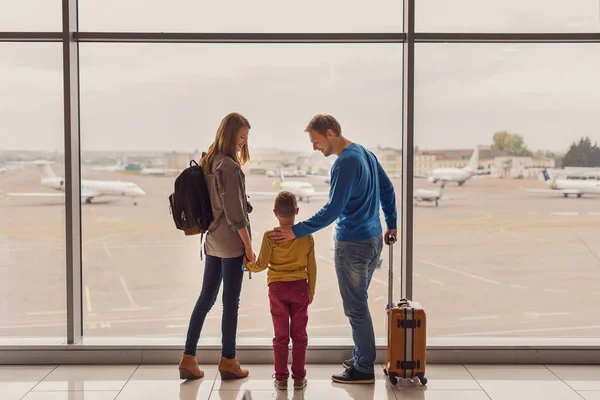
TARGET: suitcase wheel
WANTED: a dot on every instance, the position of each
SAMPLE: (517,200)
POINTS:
(393,378)
(422,379)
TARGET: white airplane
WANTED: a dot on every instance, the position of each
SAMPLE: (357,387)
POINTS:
(304,191)
(160,171)
(567,187)
(90,189)
(110,168)
(459,175)
(432,195)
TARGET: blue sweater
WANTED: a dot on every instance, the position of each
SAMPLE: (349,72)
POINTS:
(359,186)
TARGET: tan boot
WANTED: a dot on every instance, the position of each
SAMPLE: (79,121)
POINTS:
(188,368)
(230,369)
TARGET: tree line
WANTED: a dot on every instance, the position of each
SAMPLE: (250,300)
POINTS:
(580,154)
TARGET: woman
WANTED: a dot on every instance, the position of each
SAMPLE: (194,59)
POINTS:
(227,241)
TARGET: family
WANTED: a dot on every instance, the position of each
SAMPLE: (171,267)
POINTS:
(359,187)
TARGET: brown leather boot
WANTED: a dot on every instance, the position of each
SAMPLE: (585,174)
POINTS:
(188,368)
(230,369)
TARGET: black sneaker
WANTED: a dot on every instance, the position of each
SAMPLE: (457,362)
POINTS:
(348,363)
(351,375)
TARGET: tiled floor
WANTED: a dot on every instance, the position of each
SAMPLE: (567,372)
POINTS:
(452,382)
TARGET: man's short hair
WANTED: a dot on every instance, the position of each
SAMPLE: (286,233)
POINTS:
(286,204)
(320,123)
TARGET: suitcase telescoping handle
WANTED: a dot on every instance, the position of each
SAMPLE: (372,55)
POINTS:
(391,240)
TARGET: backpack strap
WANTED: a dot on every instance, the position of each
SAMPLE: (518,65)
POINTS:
(201,245)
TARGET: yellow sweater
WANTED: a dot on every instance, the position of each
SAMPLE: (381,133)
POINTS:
(293,260)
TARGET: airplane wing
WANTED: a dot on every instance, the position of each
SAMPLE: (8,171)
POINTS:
(35,194)
(49,194)
(320,194)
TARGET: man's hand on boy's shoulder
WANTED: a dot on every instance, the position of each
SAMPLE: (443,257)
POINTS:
(282,234)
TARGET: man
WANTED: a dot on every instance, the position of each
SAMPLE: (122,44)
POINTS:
(359,185)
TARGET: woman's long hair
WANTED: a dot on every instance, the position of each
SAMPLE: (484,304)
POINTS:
(226,141)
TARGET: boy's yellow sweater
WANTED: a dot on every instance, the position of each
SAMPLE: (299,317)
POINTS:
(293,260)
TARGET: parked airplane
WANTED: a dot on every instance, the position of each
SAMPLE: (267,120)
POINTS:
(432,195)
(110,168)
(90,189)
(569,186)
(459,175)
(304,191)
(160,171)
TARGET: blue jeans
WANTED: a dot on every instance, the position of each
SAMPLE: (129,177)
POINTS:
(216,269)
(354,266)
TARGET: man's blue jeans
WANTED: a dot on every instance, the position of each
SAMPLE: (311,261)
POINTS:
(355,263)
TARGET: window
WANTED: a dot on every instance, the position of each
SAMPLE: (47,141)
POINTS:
(240,16)
(507,16)
(503,252)
(32,229)
(31,15)
(164,103)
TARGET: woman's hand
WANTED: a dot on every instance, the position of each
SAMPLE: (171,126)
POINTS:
(249,254)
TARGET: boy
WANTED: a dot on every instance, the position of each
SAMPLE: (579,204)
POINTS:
(291,278)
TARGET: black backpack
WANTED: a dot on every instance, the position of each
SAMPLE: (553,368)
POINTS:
(190,202)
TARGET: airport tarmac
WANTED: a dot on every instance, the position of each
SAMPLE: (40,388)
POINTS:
(498,262)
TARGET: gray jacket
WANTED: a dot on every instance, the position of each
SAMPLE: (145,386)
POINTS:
(227,187)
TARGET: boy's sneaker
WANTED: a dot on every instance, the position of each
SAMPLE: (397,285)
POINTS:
(348,363)
(299,385)
(351,375)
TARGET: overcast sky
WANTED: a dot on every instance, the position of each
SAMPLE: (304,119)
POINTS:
(173,96)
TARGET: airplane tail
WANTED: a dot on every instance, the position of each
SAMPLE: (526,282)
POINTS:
(474,161)
(46,171)
(281,174)
(547,176)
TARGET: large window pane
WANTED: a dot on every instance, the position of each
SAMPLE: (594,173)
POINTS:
(507,16)
(30,15)
(149,108)
(32,229)
(240,16)
(504,254)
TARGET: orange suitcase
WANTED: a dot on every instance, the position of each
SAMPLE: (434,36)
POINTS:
(406,346)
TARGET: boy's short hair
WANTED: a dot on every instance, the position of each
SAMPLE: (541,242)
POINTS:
(286,204)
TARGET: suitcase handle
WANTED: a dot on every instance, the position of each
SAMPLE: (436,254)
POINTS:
(391,241)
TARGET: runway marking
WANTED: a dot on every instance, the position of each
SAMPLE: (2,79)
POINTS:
(38,313)
(555,291)
(478,318)
(88,299)
(383,283)
(504,230)
(107,251)
(127,309)
(321,309)
(176,326)
(380,298)
(550,314)
(122,280)
(436,282)
(518,287)
(457,271)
